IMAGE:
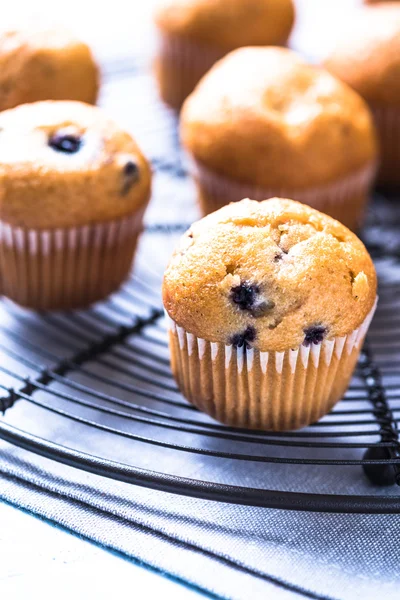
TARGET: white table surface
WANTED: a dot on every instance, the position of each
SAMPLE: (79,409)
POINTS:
(36,558)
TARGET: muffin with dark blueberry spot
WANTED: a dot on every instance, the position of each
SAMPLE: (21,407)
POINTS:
(73,190)
(265,342)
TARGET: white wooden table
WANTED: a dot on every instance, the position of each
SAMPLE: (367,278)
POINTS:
(38,560)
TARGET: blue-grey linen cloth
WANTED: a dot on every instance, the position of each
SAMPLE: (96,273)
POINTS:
(230,551)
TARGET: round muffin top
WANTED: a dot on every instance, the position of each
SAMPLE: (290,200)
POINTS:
(263,116)
(368,57)
(227,25)
(65,164)
(45,64)
(270,275)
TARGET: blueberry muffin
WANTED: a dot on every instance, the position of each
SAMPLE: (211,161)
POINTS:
(73,190)
(45,65)
(194,34)
(264,123)
(268,305)
(368,59)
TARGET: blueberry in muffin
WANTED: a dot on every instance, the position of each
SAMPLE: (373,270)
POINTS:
(73,189)
(265,343)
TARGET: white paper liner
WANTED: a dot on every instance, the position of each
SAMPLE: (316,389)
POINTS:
(344,199)
(387,121)
(65,268)
(180,64)
(264,390)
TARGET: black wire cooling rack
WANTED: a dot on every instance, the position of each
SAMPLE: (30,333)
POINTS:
(93,389)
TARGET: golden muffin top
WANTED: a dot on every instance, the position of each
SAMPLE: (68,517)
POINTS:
(368,57)
(227,24)
(45,64)
(65,164)
(263,116)
(270,275)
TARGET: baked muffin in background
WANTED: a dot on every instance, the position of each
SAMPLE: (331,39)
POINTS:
(264,123)
(73,190)
(194,34)
(48,64)
(268,305)
(368,59)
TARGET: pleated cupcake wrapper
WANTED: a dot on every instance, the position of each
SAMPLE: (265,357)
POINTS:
(66,268)
(244,387)
(344,199)
(181,64)
(387,121)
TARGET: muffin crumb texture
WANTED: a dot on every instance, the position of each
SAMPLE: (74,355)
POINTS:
(367,58)
(264,117)
(45,64)
(367,55)
(269,275)
(67,164)
(227,25)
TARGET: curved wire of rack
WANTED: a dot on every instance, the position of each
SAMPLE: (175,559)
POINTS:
(109,365)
